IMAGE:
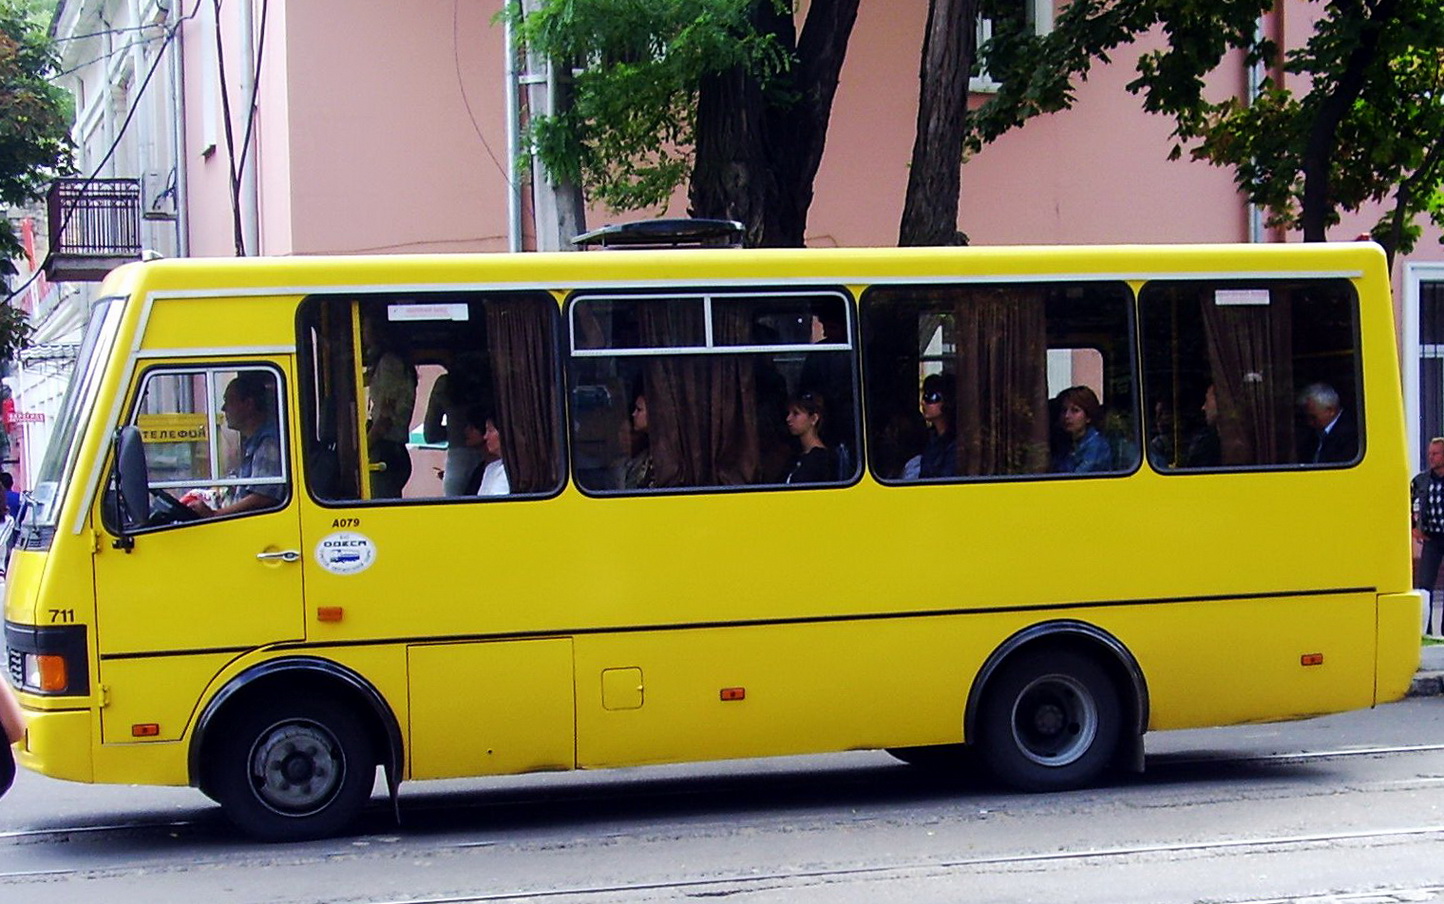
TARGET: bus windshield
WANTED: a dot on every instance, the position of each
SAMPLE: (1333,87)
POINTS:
(57,469)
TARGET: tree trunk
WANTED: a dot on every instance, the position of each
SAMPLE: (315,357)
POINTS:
(1317,206)
(756,161)
(930,210)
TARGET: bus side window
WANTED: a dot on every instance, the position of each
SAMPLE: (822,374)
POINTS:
(214,441)
(692,390)
(1243,374)
(389,380)
(977,381)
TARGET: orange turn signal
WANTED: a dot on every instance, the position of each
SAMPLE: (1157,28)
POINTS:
(329,613)
(145,730)
(53,675)
(734,693)
(1311,659)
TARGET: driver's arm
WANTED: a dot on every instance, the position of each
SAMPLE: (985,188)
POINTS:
(250,502)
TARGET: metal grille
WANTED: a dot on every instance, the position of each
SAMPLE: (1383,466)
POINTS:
(15,664)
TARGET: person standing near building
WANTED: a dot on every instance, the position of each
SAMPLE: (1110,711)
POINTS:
(1427,490)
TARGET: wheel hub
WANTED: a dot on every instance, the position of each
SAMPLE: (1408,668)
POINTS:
(297,768)
(1055,720)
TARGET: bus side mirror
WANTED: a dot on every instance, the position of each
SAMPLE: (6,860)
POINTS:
(132,484)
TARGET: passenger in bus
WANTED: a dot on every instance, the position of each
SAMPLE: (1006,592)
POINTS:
(1334,436)
(247,404)
(1205,449)
(489,478)
(940,456)
(638,472)
(1087,451)
(390,380)
(830,373)
(816,463)
(445,421)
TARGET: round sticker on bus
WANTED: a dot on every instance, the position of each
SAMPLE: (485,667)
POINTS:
(345,553)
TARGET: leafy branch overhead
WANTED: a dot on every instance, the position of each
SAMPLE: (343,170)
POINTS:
(35,144)
(637,66)
(1354,117)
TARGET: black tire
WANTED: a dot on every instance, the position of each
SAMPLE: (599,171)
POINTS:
(1050,721)
(293,771)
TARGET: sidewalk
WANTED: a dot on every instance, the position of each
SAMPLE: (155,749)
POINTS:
(1429,681)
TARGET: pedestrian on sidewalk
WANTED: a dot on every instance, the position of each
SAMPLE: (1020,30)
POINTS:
(1427,490)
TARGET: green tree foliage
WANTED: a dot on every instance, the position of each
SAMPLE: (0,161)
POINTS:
(34,138)
(725,95)
(632,125)
(1359,120)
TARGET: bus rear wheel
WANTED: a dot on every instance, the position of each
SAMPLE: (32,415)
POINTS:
(1050,721)
(294,771)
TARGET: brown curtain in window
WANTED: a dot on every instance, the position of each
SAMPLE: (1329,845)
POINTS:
(701,409)
(521,340)
(1002,370)
(1250,355)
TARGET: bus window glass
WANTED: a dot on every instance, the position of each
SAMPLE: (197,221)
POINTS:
(213,440)
(1000,380)
(435,396)
(1251,374)
(712,390)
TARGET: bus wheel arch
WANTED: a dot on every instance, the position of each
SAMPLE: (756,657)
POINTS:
(1067,672)
(320,703)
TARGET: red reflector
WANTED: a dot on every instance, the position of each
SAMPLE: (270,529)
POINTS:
(145,730)
(1311,659)
(734,693)
(329,613)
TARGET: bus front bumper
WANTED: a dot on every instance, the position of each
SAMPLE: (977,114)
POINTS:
(57,743)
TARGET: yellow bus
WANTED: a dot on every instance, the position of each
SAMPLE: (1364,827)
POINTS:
(472,515)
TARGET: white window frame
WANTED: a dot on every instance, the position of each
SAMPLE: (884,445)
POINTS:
(1413,351)
(1040,14)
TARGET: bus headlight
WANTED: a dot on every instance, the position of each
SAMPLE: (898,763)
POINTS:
(51,660)
(46,672)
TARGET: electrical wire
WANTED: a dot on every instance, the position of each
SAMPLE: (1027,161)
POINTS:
(461,84)
(236,225)
(255,90)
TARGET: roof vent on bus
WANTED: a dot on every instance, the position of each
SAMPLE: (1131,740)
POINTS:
(675,233)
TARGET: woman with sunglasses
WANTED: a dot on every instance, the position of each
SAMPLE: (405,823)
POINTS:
(940,455)
(816,463)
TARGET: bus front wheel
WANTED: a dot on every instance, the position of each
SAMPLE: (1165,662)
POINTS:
(1050,721)
(296,771)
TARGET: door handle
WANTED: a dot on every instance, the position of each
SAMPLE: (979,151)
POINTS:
(285,555)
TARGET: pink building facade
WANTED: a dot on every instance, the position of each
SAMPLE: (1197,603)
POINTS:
(383,128)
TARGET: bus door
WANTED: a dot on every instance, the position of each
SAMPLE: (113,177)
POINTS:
(212,569)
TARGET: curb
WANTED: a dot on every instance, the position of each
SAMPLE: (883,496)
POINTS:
(1426,684)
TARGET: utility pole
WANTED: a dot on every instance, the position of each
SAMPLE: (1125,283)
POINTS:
(558,209)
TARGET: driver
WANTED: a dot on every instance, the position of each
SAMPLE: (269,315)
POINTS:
(247,409)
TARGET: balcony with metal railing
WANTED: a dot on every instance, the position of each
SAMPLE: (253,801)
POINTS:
(94,227)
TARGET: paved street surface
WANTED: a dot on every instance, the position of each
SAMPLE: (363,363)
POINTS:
(1343,810)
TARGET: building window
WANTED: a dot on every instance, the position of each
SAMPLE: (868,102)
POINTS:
(1009,15)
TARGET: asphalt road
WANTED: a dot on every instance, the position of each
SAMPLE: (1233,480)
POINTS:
(1344,809)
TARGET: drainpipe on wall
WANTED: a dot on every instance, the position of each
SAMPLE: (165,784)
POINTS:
(249,200)
(178,136)
(513,141)
(1255,87)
